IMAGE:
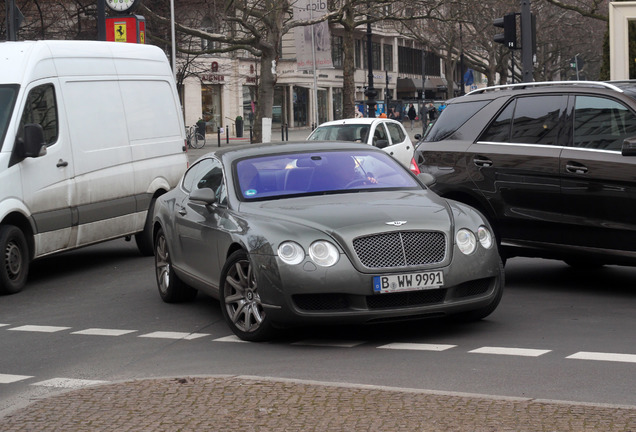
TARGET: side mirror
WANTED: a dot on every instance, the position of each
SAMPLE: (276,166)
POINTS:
(34,143)
(426,178)
(418,137)
(203,195)
(629,147)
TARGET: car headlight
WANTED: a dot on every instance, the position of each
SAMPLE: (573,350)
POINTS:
(485,237)
(323,253)
(291,252)
(466,241)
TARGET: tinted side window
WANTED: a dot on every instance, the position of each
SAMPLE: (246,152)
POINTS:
(41,108)
(601,123)
(452,118)
(536,120)
(212,178)
(499,130)
(396,132)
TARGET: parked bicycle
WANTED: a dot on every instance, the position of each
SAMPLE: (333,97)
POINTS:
(195,139)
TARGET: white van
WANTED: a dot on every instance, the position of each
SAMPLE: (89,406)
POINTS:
(91,134)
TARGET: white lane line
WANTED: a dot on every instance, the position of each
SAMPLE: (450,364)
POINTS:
(524,352)
(36,328)
(328,343)
(103,332)
(613,357)
(3,325)
(232,338)
(8,379)
(68,383)
(417,346)
(174,335)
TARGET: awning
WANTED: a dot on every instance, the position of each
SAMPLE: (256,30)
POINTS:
(415,84)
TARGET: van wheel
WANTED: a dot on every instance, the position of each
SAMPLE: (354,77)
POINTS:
(171,288)
(144,238)
(15,260)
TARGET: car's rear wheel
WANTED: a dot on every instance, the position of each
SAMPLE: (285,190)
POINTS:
(15,259)
(240,300)
(171,288)
(144,238)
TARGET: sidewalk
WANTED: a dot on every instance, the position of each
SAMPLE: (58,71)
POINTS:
(241,403)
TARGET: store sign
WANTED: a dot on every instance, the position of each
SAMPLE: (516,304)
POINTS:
(213,78)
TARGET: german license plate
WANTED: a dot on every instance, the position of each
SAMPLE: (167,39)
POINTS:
(408,282)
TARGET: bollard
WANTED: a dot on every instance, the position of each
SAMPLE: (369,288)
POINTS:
(227,134)
(250,134)
(286,132)
(218,135)
(282,131)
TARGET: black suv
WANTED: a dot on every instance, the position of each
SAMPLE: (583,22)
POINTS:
(552,166)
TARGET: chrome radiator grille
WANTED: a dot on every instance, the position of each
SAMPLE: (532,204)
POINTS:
(400,249)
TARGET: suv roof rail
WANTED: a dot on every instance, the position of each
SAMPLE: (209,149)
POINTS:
(607,85)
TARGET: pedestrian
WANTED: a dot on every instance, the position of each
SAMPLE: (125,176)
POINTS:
(431,112)
(412,114)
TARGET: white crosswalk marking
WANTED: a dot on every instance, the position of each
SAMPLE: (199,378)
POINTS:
(3,325)
(614,357)
(103,332)
(231,338)
(37,328)
(8,379)
(328,343)
(174,335)
(524,352)
(68,383)
(417,346)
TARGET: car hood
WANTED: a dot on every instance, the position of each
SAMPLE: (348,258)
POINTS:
(353,214)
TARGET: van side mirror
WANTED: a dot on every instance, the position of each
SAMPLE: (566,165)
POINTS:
(34,143)
(629,147)
(204,195)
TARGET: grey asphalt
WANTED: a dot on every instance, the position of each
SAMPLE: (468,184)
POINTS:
(247,403)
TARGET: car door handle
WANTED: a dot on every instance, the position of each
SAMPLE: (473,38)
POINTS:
(61,163)
(575,168)
(481,161)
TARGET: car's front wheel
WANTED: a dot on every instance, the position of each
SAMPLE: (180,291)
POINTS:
(171,288)
(240,300)
(15,259)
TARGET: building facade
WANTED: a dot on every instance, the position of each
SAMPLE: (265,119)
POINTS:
(227,86)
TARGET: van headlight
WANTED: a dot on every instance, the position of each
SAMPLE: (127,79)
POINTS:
(291,253)
(466,241)
(323,253)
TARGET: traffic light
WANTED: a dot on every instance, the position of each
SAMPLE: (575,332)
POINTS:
(509,37)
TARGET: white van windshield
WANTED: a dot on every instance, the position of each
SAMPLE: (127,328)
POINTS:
(8,95)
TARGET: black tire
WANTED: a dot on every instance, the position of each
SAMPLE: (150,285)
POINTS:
(478,314)
(240,301)
(144,238)
(171,288)
(199,141)
(15,259)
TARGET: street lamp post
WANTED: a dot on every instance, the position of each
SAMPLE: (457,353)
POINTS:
(370,92)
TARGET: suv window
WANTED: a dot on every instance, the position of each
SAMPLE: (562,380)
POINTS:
(528,120)
(602,123)
(452,117)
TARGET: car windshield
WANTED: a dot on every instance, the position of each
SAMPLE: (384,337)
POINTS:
(341,132)
(8,95)
(316,173)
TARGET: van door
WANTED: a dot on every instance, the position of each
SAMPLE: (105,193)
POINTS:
(47,180)
(104,182)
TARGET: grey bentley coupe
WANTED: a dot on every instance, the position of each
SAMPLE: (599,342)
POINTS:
(321,232)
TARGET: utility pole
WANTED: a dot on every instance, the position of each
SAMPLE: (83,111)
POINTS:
(370,92)
(527,46)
